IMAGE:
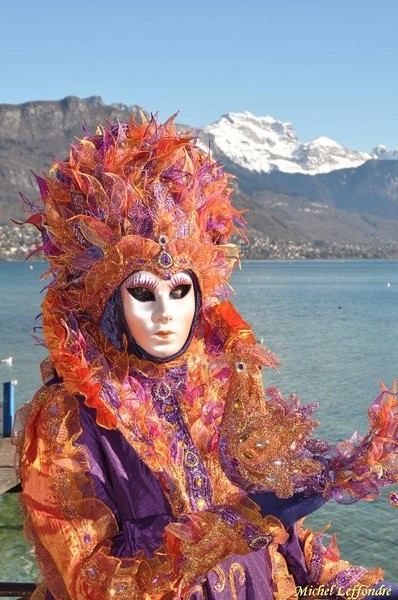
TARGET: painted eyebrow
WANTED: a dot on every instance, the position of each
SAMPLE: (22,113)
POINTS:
(139,280)
(180,279)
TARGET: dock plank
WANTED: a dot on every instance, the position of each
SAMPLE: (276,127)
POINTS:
(8,479)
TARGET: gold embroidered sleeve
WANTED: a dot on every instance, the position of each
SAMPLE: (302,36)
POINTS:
(263,439)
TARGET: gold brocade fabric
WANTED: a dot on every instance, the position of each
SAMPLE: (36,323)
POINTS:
(72,530)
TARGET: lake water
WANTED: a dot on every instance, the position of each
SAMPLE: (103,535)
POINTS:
(333,325)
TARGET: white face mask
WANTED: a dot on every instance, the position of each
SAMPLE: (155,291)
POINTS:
(159,313)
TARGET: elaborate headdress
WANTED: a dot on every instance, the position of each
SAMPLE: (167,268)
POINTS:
(135,196)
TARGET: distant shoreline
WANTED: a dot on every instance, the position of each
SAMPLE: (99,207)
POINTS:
(17,242)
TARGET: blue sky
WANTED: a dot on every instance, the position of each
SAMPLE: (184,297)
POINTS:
(329,67)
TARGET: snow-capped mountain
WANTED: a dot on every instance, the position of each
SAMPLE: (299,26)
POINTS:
(264,144)
(383,153)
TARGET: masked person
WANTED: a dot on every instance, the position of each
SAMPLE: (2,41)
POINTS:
(152,466)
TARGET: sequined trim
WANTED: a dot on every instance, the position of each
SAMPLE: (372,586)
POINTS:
(233,569)
(192,594)
(165,395)
(254,536)
(219,585)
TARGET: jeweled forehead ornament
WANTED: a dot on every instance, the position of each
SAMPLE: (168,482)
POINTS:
(164,259)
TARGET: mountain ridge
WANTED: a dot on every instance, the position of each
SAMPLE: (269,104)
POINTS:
(355,204)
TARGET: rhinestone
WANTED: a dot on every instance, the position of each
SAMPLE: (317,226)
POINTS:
(190,460)
(165,260)
(262,443)
(260,541)
(70,512)
(393,499)
(247,455)
(201,503)
(161,390)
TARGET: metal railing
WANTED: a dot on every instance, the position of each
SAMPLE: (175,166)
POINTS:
(8,407)
(16,590)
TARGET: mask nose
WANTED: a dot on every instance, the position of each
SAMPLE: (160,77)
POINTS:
(163,313)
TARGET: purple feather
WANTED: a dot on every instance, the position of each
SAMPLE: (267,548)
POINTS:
(42,184)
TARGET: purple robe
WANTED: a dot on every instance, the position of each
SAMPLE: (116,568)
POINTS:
(127,486)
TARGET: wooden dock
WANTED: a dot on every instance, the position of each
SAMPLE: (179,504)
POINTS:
(8,479)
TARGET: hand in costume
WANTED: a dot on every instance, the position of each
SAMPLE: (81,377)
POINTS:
(265,445)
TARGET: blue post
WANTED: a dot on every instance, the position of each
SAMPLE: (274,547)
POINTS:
(8,407)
